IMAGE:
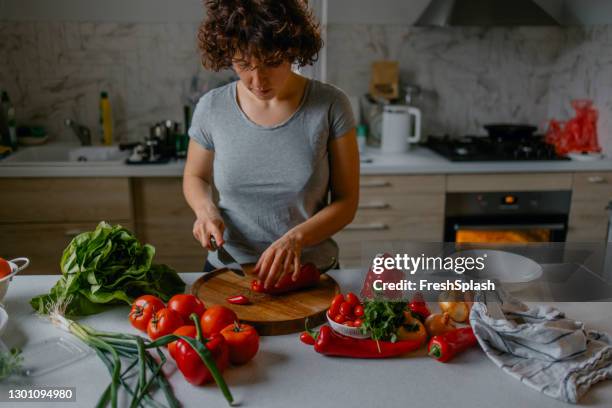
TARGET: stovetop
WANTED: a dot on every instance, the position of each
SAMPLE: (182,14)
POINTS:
(483,148)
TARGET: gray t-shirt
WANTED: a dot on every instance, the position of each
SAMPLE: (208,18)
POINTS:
(271,178)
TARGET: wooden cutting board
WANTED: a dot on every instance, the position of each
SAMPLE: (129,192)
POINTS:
(270,315)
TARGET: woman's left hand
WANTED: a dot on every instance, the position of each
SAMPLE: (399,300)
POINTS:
(281,258)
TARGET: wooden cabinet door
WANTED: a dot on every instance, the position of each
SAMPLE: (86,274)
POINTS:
(394,208)
(42,243)
(164,220)
(588,220)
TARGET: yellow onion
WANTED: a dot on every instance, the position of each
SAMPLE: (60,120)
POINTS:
(439,323)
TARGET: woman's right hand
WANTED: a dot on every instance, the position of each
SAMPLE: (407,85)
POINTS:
(205,227)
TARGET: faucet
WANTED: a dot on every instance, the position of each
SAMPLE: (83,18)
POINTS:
(82,132)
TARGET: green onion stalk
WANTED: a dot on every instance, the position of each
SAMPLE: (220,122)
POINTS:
(112,347)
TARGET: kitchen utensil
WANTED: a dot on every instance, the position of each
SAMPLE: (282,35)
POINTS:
(401,125)
(354,332)
(503,132)
(270,315)
(15,268)
(226,258)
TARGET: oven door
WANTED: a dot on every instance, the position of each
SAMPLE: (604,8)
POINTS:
(506,231)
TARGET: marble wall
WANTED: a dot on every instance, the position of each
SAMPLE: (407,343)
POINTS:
(473,76)
(56,70)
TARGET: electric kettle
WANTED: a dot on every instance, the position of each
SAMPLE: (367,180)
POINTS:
(401,125)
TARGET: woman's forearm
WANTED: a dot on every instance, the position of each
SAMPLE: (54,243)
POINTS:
(325,223)
(198,194)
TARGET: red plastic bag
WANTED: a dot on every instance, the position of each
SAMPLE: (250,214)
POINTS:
(579,134)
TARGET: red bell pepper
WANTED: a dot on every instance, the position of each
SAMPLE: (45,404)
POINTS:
(309,276)
(238,300)
(446,346)
(331,343)
(194,367)
(418,306)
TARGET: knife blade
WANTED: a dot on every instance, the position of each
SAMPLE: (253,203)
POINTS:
(227,259)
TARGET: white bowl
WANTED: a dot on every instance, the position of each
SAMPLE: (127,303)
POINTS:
(15,268)
(354,332)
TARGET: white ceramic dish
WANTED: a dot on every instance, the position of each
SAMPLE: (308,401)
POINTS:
(15,268)
(354,332)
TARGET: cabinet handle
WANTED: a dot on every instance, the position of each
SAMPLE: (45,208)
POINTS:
(72,232)
(373,206)
(374,183)
(596,179)
(374,226)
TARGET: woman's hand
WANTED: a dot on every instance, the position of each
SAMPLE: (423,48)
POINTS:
(281,258)
(207,226)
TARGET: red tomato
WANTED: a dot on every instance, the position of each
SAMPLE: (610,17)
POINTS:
(185,305)
(339,318)
(143,310)
(164,322)
(352,299)
(5,268)
(358,311)
(243,342)
(188,331)
(346,309)
(349,324)
(358,322)
(215,319)
(334,309)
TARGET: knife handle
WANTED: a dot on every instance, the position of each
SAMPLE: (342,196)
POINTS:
(213,243)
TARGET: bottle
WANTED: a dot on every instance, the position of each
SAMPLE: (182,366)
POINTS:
(106,119)
(9,126)
(362,134)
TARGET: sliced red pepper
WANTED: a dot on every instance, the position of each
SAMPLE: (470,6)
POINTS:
(418,306)
(309,276)
(331,343)
(446,346)
(238,300)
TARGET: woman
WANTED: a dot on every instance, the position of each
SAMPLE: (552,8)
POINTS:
(282,147)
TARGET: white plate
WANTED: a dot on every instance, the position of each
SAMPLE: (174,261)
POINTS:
(506,267)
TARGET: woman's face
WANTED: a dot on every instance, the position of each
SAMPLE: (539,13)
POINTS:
(263,81)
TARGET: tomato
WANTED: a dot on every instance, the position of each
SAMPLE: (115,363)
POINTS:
(5,268)
(216,318)
(191,365)
(143,309)
(243,342)
(352,299)
(188,331)
(185,305)
(334,308)
(339,318)
(349,324)
(165,321)
(346,309)
(357,322)
(358,311)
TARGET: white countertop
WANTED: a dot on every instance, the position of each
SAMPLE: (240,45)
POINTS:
(419,160)
(287,373)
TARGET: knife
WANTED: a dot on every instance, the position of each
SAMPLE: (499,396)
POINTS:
(227,259)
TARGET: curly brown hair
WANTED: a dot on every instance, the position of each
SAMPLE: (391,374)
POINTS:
(271,31)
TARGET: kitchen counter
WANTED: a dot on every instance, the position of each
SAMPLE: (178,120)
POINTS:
(287,373)
(419,160)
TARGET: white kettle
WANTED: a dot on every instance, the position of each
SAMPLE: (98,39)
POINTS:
(401,125)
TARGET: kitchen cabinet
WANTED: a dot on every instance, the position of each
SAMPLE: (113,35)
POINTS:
(394,208)
(39,216)
(508,182)
(588,219)
(164,220)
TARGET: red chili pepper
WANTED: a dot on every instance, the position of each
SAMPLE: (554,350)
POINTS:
(238,300)
(446,346)
(309,276)
(331,343)
(419,306)
(307,338)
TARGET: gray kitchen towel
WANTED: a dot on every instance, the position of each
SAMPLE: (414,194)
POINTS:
(541,347)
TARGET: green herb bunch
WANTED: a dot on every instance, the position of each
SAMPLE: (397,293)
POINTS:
(383,319)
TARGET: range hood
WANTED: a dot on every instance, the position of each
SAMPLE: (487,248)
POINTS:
(484,13)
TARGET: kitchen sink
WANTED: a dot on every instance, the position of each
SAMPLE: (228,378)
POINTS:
(66,154)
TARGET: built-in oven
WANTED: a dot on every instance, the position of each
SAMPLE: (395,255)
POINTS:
(507,217)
